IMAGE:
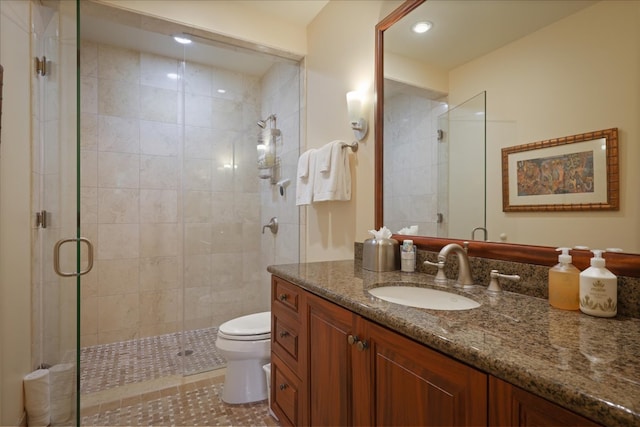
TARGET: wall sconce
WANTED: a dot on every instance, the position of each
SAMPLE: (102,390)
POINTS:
(355,108)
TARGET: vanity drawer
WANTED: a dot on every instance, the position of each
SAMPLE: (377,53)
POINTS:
(286,296)
(285,341)
(285,393)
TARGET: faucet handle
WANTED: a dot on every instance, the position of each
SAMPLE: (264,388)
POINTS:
(494,285)
(440,276)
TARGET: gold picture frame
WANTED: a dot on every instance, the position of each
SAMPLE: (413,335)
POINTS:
(572,173)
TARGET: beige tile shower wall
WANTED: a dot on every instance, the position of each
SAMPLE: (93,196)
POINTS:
(412,196)
(134,143)
(281,89)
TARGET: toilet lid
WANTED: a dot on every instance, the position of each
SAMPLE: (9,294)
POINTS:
(254,326)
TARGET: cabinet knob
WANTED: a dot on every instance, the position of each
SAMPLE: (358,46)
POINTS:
(282,297)
(283,387)
(352,339)
(362,345)
(283,334)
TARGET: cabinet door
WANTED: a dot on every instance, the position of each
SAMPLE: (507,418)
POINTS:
(413,385)
(330,363)
(512,406)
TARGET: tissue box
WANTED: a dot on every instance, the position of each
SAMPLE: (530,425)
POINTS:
(381,255)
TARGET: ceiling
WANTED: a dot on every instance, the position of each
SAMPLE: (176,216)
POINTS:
(103,24)
(294,11)
(464,29)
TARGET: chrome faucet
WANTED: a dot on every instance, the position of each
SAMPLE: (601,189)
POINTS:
(464,270)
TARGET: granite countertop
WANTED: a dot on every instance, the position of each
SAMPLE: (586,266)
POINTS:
(586,364)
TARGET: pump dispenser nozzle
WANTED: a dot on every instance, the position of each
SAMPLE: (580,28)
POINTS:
(597,260)
(564,257)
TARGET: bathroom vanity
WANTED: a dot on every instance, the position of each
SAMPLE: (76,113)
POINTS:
(341,356)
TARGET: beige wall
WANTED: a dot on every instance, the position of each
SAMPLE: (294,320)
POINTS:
(340,58)
(15,190)
(560,106)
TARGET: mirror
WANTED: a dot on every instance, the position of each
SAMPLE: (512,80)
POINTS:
(574,73)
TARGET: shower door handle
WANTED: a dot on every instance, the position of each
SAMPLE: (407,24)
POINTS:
(56,257)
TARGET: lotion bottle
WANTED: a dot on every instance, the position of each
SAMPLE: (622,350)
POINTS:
(564,283)
(598,288)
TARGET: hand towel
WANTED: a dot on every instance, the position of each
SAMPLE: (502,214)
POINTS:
(336,183)
(323,158)
(304,177)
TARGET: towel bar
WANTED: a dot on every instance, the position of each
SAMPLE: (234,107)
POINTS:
(353,146)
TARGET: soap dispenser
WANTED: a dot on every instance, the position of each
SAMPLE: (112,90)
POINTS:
(564,283)
(598,288)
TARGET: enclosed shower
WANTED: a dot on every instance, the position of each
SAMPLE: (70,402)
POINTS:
(170,191)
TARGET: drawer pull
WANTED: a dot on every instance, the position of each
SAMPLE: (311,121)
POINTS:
(352,339)
(282,297)
(284,334)
(283,387)
(362,345)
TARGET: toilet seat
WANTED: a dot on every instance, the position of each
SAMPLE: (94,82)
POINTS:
(253,327)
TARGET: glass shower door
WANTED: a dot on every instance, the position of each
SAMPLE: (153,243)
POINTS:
(57,243)
(461,168)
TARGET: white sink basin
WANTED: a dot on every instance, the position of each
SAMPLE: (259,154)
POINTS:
(424,298)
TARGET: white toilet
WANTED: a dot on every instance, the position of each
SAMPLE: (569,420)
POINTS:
(245,342)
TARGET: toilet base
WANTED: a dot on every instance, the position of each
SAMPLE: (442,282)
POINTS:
(245,381)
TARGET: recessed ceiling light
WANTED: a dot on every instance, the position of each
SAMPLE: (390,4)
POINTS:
(182,39)
(422,27)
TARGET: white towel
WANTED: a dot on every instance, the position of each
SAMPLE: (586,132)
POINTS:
(305,175)
(336,183)
(323,157)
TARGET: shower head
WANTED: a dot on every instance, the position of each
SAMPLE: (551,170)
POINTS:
(263,123)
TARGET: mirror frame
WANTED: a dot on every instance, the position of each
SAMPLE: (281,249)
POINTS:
(621,264)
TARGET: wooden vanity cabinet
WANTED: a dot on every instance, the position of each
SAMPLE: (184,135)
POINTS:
(332,367)
(288,352)
(361,373)
(511,406)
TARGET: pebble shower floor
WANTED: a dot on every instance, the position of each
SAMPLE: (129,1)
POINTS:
(198,403)
(112,365)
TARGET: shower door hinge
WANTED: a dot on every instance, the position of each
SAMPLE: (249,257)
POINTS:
(41,66)
(440,135)
(41,219)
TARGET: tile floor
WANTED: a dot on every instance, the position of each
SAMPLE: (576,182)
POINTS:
(140,383)
(189,401)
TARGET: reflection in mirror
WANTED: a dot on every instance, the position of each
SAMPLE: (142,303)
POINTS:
(549,69)
(424,195)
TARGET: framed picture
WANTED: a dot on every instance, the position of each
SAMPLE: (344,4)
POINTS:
(572,173)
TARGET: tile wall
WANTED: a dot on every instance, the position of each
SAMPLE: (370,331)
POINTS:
(411,175)
(156,187)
